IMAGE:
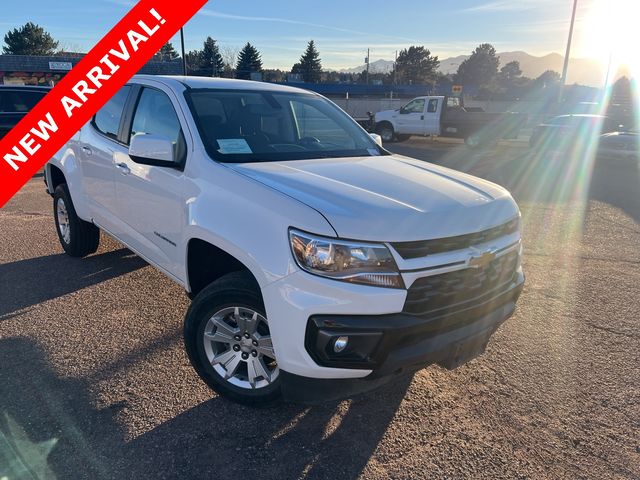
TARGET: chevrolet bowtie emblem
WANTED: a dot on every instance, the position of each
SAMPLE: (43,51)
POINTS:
(482,259)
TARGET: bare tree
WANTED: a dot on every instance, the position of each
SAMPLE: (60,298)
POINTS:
(69,49)
(229,57)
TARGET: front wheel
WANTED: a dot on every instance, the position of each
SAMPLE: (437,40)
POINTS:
(385,130)
(228,341)
(77,237)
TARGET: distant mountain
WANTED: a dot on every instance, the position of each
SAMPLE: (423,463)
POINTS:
(379,66)
(581,70)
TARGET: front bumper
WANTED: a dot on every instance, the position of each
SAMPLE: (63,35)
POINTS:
(392,344)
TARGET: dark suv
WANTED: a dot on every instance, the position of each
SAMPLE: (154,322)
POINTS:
(15,103)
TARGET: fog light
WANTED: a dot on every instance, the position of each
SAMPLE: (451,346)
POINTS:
(340,344)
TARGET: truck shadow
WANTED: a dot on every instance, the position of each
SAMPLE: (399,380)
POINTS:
(50,427)
(26,283)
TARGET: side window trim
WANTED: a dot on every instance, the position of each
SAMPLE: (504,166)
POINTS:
(129,111)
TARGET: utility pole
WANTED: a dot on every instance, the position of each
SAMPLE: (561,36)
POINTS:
(565,67)
(184,59)
(367,62)
(395,69)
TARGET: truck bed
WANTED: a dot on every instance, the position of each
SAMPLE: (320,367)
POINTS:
(459,123)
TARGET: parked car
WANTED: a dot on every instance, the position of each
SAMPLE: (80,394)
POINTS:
(619,146)
(560,132)
(15,103)
(319,263)
(447,117)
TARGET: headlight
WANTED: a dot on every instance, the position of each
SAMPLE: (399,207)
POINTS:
(367,263)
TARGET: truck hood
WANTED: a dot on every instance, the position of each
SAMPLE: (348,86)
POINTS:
(388,198)
(385,115)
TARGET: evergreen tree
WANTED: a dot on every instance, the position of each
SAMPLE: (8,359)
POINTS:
(480,68)
(212,63)
(510,72)
(30,39)
(417,65)
(194,61)
(249,62)
(167,53)
(548,79)
(310,66)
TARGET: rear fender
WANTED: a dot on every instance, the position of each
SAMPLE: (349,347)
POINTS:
(66,160)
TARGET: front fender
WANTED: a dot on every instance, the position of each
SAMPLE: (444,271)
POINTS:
(249,221)
(386,116)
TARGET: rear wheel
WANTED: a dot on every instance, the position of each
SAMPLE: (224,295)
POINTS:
(77,237)
(472,141)
(227,337)
(385,130)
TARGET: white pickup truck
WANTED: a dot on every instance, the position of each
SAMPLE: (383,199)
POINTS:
(447,117)
(319,264)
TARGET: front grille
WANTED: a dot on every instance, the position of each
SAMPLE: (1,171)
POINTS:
(460,289)
(408,250)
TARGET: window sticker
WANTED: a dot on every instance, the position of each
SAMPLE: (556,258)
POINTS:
(374,152)
(233,146)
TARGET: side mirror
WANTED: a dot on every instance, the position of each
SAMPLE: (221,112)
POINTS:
(402,111)
(376,138)
(154,150)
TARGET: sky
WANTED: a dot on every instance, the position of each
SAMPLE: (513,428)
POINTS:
(342,30)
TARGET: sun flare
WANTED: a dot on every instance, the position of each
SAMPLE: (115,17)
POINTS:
(611,33)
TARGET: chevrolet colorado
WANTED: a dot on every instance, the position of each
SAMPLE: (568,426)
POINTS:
(320,265)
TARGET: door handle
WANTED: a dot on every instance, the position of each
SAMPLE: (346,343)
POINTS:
(422,117)
(87,151)
(124,168)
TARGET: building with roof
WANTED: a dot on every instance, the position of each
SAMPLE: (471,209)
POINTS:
(47,71)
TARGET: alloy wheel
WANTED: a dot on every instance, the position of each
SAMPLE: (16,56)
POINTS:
(62,215)
(238,345)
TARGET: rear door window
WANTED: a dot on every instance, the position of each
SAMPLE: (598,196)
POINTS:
(19,101)
(108,118)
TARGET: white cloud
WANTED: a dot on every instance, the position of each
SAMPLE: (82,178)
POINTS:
(506,5)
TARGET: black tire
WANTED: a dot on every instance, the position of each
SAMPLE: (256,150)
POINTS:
(237,289)
(81,238)
(385,130)
(402,138)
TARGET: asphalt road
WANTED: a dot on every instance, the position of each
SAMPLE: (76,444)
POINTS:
(94,382)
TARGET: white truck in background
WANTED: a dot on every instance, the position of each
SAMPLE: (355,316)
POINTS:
(435,115)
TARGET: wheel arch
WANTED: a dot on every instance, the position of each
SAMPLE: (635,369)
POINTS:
(207,262)
(384,124)
(55,176)
(64,167)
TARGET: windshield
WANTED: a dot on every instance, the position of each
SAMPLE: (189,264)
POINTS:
(253,126)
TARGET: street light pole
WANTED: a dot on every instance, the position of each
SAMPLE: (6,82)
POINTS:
(565,67)
(184,59)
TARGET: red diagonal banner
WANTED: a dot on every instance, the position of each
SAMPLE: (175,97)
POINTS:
(87,87)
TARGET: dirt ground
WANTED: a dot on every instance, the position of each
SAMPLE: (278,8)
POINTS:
(94,382)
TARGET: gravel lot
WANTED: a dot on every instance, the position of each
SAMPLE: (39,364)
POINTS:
(94,382)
